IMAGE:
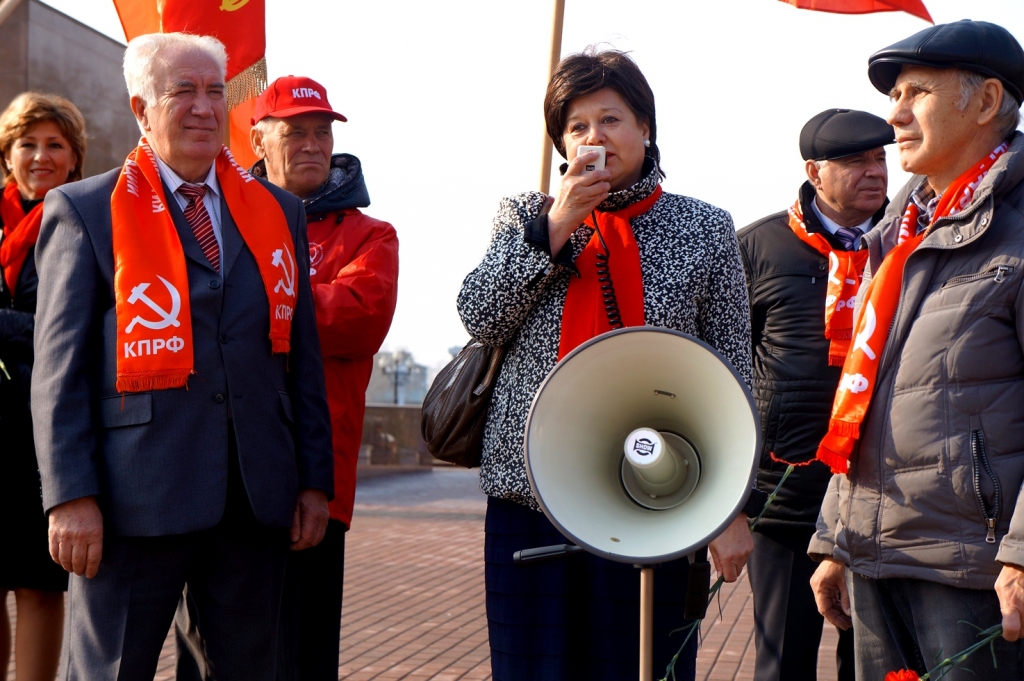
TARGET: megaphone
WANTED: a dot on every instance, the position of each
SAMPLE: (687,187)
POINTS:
(641,446)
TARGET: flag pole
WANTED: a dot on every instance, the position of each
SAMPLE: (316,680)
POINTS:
(556,53)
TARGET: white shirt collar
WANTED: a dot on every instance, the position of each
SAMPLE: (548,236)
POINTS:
(831,225)
(174,181)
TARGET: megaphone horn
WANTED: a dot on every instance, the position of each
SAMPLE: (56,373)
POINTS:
(642,445)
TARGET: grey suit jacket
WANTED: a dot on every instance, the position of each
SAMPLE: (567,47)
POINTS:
(158,461)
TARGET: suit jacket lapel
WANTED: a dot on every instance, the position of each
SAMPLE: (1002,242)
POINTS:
(189,244)
(231,238)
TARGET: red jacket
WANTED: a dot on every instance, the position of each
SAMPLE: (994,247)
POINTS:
(354,275)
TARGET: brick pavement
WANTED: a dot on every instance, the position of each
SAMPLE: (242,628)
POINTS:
(414,593)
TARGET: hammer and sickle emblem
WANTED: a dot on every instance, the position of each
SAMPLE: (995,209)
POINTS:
(833,261)
(861,341)
(166,318)
(287,282)
(232,5)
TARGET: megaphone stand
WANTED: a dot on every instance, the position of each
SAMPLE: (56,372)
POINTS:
(646,622)
(545,553)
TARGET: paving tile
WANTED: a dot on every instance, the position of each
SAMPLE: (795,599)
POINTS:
(414,595)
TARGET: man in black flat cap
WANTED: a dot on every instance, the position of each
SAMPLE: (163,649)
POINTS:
(921,532)
(803,273)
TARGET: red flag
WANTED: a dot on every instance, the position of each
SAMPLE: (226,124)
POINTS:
(239,24)
(915,7)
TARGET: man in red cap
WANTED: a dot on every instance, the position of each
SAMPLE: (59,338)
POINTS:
(354,277)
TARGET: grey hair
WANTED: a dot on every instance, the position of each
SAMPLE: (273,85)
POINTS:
(1007,118)
(144,50)
(265,125)
(821,164)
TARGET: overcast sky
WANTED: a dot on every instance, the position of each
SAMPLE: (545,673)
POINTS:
(444,106)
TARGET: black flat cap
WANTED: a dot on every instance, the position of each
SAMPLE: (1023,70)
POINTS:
(976,46)
(835,133)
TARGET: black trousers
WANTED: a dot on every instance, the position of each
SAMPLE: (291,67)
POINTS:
(118,620)
(310,622)
(787,626)
(310,632)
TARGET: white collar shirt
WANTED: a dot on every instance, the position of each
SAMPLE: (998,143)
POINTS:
(211,199)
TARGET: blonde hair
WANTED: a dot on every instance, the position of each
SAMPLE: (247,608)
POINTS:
(31,108)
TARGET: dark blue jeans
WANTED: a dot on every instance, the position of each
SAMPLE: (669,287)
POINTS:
(914,624)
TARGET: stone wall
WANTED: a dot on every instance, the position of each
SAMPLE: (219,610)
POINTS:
(44,50)
(391,437)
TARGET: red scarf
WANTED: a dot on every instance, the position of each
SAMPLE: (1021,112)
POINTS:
(20,233)
(584,315)
(853,398)
(845,271)
(151,294)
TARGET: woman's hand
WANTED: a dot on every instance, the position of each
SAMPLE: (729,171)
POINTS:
(581,192)
(730,550)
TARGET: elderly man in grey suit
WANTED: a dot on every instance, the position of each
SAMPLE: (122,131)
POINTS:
(179,404)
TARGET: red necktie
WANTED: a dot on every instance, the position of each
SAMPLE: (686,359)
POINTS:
(199,220)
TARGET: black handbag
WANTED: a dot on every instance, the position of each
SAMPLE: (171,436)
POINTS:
(455,407)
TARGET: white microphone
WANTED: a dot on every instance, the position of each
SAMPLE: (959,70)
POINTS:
(659,469)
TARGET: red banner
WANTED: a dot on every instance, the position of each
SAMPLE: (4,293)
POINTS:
(239,24)
(138,17)
(915,7)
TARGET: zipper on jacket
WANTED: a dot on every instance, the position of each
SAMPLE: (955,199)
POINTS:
(981,464)
(1000,272)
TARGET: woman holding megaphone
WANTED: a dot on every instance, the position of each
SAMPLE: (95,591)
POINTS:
(542,290)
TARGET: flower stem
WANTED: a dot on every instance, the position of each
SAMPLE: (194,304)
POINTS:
(988,638)
(670,670)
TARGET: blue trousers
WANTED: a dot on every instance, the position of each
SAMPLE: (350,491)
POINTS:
(913,624)
(575,618)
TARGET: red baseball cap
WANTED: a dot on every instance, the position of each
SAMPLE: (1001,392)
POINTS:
(291,96)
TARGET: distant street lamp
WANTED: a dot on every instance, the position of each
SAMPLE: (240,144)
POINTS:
(398,367)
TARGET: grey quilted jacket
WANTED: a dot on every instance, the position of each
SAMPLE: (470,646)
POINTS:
(934,488)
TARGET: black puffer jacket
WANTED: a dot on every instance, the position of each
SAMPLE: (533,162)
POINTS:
(793,384)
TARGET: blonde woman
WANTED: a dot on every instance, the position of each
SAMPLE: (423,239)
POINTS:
(42,146)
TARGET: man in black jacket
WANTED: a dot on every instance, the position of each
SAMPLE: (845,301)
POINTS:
(803,272)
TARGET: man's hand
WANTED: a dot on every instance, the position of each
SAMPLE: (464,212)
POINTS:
(76,536)
(730,550)
(1010,590)
(311,515)
(829,586)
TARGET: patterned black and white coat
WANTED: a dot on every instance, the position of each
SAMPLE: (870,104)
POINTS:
(693,282)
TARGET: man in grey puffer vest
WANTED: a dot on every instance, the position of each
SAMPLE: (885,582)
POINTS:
(929,518)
